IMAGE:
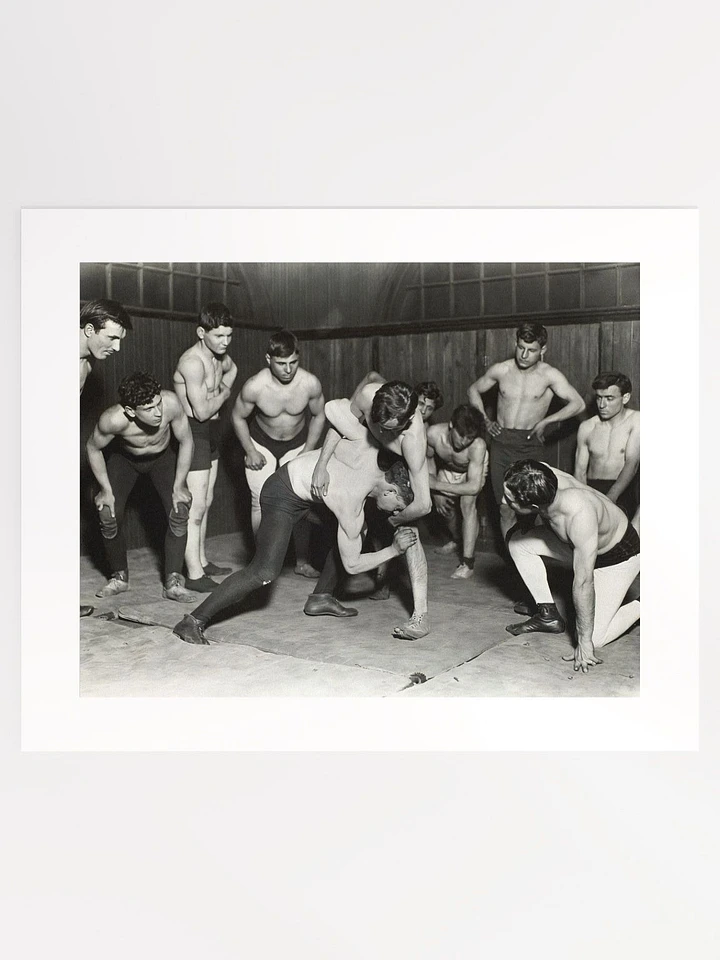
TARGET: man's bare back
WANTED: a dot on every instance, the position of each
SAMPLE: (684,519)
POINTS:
(574,499)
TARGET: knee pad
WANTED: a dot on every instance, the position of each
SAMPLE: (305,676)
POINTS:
(108,523)
(178,520)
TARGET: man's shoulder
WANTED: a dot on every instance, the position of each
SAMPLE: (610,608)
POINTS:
(502,367)
(633,418)
(587,426)
(256,381)
(189,358)
(113,420)
(170,401)
(435,432)
(310,380)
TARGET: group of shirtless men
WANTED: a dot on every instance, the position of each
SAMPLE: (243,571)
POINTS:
(380,468)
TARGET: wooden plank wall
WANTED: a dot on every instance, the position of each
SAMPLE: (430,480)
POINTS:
(313,296)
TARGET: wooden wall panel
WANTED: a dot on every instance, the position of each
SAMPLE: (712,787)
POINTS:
(314,296)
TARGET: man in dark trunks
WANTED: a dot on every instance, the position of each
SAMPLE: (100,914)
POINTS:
(270,420)
(582,529)
(142,425)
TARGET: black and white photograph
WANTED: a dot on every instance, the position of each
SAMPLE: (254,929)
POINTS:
(326,633)
(331,482)
(358,479)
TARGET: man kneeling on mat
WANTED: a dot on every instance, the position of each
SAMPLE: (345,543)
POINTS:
(141,425)
(286,498)
(582,528)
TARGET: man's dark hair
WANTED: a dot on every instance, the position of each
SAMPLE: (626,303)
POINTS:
(137,389)
(532,484)
(467,421)
(395,400)
(282,344)
(214,315)
(604,380)
(398,475)
(98,312)
(530,332)
(430,389)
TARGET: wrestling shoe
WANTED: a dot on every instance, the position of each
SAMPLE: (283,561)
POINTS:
(546,620)
(418,626)
(118,583)
(463,572)
(201,584)
(213,570)
(525,607)
(446,549)
(174,590)
(325,605)
(307,570)
(190,630)
(86,610)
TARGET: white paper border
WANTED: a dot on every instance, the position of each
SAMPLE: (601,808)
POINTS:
(664,717)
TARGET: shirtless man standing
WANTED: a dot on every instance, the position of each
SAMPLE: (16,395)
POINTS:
(526,386)
(458,464)
(608,445)
(582,529)
(141,425)
(279,396)
(287,497)
(103,325)
(389,412)
(203,380)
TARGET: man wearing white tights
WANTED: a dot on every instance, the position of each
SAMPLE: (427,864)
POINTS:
(583,529)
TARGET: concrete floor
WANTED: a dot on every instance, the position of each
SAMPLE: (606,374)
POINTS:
(272,649)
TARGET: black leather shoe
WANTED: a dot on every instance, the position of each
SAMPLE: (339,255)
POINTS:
(86,610)
(325,605)
(525,607)
(546,620)
(201,584)
(190,630)
(213,570)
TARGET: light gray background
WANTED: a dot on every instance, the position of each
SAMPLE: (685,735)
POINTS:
(358,855)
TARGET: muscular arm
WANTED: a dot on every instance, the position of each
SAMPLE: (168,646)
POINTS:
(343,423)
(476,474)
(574,403)
(582,532)
(350,545)
(181,430)
(632,462)
(341,417)
(101,436)
(229,375)
(243,407)
(486,382)
(203,406)
(414,446)
(316,405)
(372,377)
(582,453)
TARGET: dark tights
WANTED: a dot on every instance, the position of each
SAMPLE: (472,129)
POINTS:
(281,510)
